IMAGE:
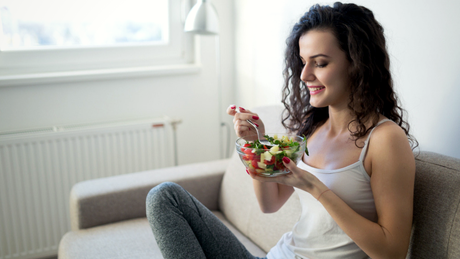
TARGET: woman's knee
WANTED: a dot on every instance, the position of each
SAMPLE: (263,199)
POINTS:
(160,194)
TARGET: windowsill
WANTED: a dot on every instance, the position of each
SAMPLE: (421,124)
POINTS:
(99,74)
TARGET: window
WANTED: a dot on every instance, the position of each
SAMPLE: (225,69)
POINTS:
(49,23)
(43,36)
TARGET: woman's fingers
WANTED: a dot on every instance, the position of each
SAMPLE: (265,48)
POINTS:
(289,164)
(231,110)
(239,125)
(242,129)
(240,121)
(247,115)
(301,178)
(292,167)
(243,110)
(241,113)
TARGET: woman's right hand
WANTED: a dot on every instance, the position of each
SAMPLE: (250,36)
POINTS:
(270,195)
(242,128)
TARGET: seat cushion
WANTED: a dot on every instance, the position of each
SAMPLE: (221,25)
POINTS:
(125,240)
(251,246)
(122,240)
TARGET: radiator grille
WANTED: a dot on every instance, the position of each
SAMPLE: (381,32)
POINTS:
(39,167)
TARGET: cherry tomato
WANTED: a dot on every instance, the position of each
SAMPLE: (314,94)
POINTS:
(247,157)
(248,154)
(254,163)
(279,165)
(244,147)
(248,151)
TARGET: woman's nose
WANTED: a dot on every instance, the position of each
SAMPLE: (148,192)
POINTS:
(307,74)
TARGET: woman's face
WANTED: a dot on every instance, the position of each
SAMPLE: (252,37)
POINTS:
(325,70)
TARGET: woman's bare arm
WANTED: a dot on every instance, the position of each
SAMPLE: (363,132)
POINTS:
(392,182)
(271,196)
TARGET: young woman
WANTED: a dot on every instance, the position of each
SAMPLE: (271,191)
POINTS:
(355,188)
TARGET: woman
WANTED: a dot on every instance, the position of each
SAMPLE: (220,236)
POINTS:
(356,187)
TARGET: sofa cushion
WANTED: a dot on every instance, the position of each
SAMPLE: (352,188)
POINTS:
(251,246)
(122,240)
(239,204)
(126,240)
(122,197)
(436,223)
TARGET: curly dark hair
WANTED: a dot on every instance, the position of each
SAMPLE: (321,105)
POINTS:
(362,39)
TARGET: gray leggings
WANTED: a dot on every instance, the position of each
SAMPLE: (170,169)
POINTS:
(185,228)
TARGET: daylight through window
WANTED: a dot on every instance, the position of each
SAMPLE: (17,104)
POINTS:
(36,24)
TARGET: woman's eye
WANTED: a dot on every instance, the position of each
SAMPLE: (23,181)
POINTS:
(321,65)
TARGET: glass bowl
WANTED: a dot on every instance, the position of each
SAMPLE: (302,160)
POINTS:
(267,160)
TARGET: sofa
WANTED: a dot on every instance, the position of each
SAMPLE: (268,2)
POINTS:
(108,214)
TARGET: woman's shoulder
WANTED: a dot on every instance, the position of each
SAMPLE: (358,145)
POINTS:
(389,152)
(388,131)
(389,138)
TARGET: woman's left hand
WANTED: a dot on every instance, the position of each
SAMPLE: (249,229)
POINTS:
(297,177)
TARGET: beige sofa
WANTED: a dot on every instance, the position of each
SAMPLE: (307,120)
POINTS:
(108,214)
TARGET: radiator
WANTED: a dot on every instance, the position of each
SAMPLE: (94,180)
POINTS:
(39,167)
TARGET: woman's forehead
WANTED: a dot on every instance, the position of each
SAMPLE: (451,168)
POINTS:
(316,42)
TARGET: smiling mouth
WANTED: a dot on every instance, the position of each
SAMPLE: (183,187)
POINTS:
(316,89)
(313,89)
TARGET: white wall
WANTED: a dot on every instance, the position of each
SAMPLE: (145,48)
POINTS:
(190,97)
(422,38)
(423,41)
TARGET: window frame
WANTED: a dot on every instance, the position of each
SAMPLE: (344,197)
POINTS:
(51,64)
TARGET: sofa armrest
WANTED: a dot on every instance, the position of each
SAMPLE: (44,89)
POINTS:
(112,199)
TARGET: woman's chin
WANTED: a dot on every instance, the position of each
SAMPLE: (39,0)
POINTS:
(317,105)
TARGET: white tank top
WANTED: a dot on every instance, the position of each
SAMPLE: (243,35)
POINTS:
(316,234)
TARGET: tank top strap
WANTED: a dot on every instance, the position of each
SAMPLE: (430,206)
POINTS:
(366,143)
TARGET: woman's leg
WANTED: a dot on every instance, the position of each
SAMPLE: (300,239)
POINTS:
(185,228)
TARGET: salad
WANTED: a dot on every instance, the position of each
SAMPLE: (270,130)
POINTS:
(267,160)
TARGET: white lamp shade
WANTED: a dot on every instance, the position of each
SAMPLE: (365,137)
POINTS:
(202,19)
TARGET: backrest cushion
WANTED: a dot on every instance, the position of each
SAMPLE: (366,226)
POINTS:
(436,222)
(239,204)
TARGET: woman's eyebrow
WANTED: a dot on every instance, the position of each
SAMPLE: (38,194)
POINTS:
(319,55)
(314,56)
